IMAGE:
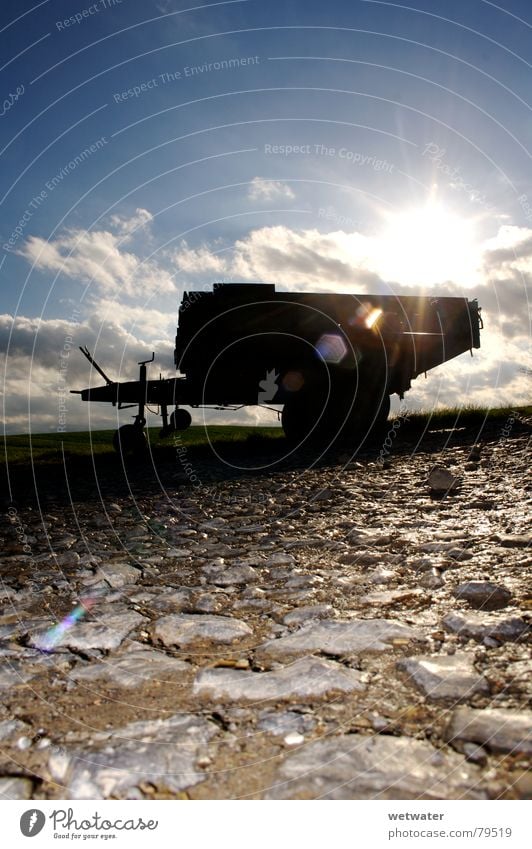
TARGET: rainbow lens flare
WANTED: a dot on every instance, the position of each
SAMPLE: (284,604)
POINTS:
(53,637)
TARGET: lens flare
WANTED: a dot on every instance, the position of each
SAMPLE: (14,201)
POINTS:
(331,348)
(53,637)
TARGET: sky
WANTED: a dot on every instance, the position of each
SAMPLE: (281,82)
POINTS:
(151,148)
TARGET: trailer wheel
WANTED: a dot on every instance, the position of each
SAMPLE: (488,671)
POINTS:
(180,419)
(307,415)
(129,439)
(368,417)
(328,417)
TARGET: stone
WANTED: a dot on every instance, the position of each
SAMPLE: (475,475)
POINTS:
(496,729)
(162,753)
(185,629)
(483,594)
(440,480)
(280,559)
(13,674)
(118,574)
(107,633)
(307,679)
(445,679)
(339,637)
(515,540)
(234,575)
(306,613)
(133,669)
(67,559)
(475,754)
(480,626)
(13,787)
(280,723)
(380,767)
(10,727)
(389,598)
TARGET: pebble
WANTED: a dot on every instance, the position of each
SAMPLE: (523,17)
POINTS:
(107,633)
(280,723)
(15,788)
(337,637)
(118,574)
(133,669)
(162,753)
(380,767)
(483,594)
(446,679)
(307,679)
(441,480)
(515,540)
(480,626)
(307,613)
(497,729)
(184,629)
(234,575)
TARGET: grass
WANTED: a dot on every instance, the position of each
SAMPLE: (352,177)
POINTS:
(466,416)
(43,448)
(50,447)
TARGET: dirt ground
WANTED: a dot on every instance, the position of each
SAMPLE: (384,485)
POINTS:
(256,625)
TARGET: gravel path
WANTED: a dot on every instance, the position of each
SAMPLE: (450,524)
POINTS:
(357,629)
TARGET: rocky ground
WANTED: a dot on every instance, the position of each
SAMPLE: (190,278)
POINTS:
(357,628)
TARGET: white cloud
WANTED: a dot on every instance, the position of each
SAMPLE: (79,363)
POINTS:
(125,325)
(198,260)
(98,257)
(305,258)
(127,227)
(42,364)
(268,190)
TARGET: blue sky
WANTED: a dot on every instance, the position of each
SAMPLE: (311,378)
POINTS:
(152,147)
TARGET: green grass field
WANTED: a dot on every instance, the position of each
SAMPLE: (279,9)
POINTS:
(51,447)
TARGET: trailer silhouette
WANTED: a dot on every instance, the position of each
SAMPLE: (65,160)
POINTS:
(330,360)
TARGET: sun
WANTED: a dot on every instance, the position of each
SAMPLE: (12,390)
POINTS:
(427,245)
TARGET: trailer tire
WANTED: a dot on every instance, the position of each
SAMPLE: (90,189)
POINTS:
(180,419)
(129,440)
(328,417)
(367,418)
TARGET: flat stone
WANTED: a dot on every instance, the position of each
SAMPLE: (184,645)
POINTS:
(279,723)
(68,558)
(234,575)
(483,594)
(447,679)
(497,729)
(515,540)
(118,574)
(15,788)
(107,633)
(479,626)
(306,613)
(185,629)
(388,598)
(10,727)
(162,753)
(440,479)
(133,669)
(306,679)
(380,767)
(280,559)
(339,637)
(13,674)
